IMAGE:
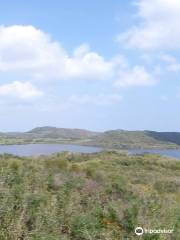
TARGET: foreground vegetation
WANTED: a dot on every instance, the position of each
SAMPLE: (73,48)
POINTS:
(100,196)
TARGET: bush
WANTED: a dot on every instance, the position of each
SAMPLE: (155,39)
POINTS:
(130,218)
(58,164)
(166,186)
(85,227)
(90,172)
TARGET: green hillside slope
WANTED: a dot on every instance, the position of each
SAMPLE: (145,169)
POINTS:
(114,139)
(88,196)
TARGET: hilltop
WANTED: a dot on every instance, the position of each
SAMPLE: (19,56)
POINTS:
(65,133)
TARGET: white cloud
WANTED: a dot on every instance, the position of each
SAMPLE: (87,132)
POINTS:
(172,63)
(137,76)
(28,52)
(87,64)
(26,48)
(159,28)
(20,90)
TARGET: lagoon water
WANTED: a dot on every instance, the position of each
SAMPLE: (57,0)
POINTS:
(175,153)
(45,149)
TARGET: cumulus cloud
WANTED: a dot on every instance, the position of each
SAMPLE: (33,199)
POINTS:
(87,64)
(20,90)
(137,76)
(26,48)
(159,28)
(30,50)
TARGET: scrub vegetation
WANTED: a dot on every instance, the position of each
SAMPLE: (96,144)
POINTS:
(101,196)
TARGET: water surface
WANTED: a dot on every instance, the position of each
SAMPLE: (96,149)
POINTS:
(175,153)
(45,149)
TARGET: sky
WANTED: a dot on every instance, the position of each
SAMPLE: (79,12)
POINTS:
(95,65)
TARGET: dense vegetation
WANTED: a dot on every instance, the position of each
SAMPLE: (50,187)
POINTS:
(100,196)
(116,139)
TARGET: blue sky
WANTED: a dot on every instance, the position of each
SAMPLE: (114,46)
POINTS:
(90,64)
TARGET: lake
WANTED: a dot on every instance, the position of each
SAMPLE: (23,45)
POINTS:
(175,153)
(45,149)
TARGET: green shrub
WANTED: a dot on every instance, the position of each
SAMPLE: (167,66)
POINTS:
(166,186)
(129,220)
(90,172)
(152,237)
(58,164)
(85,227)
(50,198)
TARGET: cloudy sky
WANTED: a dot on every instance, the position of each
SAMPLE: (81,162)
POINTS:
(90,64)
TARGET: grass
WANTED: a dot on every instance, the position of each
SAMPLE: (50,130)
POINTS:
(101,196)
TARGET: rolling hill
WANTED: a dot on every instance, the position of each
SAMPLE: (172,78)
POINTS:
(114,139)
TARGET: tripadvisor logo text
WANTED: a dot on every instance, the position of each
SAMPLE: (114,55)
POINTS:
(140,231)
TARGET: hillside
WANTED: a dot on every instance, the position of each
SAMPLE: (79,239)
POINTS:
(88,196)
(47,135)
(120,139)
(64,133)
(114,139)
(173,137)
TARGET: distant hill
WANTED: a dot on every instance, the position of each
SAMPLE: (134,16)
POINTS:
(114,139)
(173,137)
(53,132)
(119,139)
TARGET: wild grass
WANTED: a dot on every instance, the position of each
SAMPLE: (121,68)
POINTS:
(101,196)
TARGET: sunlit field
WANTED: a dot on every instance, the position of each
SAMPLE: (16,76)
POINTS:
(102,196)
